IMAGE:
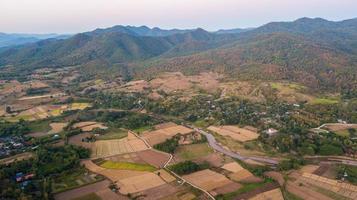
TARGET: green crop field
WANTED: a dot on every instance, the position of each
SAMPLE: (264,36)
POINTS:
(193,151)
(128,166)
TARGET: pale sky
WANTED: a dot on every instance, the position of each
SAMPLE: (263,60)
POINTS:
(71,16)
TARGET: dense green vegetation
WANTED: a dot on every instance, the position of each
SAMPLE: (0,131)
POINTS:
(128,166)
(19,128)
(351,172)
(188,167)
(247,187)
(293,163)
(49,161)
(169,145)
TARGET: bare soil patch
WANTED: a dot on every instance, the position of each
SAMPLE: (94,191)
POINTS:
(75,193)
(240,174)
(231,187)
(149,156)
(272,194)
(79,140)
(57,127)
(339,127)
(153,157)
(239,134)
(162,134)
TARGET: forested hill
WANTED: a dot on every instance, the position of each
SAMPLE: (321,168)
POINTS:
(315,52)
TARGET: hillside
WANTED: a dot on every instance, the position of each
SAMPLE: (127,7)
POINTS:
(278,56)
(318,53)
(20,39)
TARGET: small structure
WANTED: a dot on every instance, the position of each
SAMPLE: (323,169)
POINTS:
(271,131)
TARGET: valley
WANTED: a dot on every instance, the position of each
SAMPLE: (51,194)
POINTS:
(139,113)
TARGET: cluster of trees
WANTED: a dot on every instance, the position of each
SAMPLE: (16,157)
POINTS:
(169,145)
(48,162)
(18,128)
(119,119)
(351,172)
(188,167)
(293,163)
(37,91)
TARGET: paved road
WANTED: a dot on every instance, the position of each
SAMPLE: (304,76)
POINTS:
(213,143)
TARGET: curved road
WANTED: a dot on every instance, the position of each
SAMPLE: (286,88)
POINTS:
(213,143)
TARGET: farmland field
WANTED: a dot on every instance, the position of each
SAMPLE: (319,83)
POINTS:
(165,132)
(193,151)
(128,181)
(113,133)
(91,196)
(102,148)
(207,179)
(239,134)
(74,179)
(128,166)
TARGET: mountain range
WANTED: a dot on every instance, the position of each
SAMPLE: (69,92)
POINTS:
(315,52)
(20,39)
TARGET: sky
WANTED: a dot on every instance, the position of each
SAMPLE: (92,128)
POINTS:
(73,16)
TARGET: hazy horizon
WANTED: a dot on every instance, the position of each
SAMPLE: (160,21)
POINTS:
(74,16)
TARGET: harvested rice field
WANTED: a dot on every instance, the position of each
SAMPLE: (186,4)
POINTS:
(150,156)
(105,148)
(238,134)
(207,179)
(45,111)
(272,194)
(239,174)
(166,132)
(128,181)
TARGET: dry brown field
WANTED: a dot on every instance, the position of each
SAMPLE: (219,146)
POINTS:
(105,148)
(269,195)
(150,156)
(344,189)
(160,135)
(207,179)
(77,140)
(239,134)
(232,167)
(309,169)
(339,127)
(228,188)
(214,159)
(166,176)
(45,111)
(238,173)
(57,127)
(127,180)
(100,188)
